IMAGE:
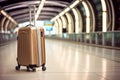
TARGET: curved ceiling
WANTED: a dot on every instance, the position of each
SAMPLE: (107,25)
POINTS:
(19,9)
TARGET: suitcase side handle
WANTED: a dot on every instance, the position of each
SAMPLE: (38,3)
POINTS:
(41,34)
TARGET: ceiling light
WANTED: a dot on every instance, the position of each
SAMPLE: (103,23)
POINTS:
(9,17)
(74,4)
(39,9)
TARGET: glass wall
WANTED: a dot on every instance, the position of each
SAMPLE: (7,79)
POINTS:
(6,37)
(110,39)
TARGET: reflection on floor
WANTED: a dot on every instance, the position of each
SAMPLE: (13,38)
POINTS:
(65,61)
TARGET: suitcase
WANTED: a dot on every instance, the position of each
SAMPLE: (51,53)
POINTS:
(31,48)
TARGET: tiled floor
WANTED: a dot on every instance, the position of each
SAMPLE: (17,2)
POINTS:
(65,61)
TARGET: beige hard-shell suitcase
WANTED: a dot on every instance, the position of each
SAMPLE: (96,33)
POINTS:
(31,48)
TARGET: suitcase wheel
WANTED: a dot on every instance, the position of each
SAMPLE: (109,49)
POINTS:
(43,68)
(17,67)
(28,68)
(34,69)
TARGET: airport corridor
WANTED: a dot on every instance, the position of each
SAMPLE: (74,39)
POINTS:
(65,61)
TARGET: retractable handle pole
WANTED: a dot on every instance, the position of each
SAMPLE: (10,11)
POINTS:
(30,11)
(32,8)
(34,15)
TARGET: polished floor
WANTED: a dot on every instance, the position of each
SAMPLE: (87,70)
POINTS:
(65,61)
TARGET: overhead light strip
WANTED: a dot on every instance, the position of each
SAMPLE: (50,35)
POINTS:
(104,17)
(66,10)
(74,4)
(8,16)
(39,9)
